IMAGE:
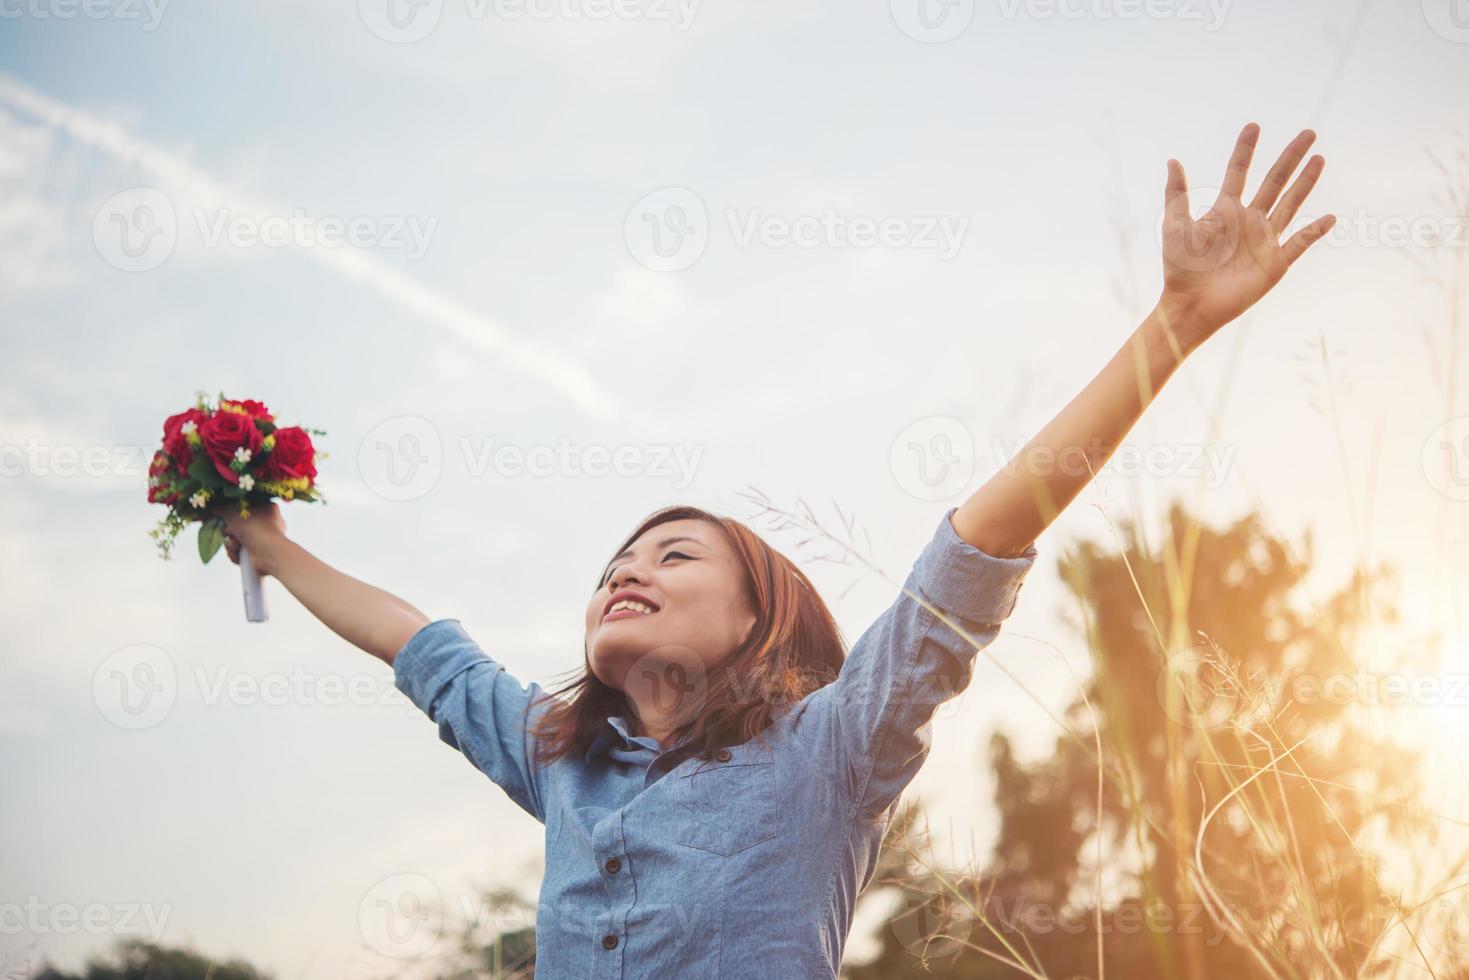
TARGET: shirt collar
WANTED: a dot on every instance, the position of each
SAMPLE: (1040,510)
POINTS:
(617,734)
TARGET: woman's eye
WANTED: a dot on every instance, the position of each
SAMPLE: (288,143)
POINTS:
(606,579)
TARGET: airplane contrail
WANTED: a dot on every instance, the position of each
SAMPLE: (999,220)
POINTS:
(536,360)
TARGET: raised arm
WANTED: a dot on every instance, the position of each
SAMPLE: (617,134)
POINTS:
(365,616)
(1214,269)
(480,709)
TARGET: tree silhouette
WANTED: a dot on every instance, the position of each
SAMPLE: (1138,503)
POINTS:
(1217,683)
(137,960)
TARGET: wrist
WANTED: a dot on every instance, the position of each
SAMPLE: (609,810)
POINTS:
(1170,334)
(267,551)
(1178,326)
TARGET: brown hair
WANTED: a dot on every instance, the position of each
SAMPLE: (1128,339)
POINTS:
(793,649)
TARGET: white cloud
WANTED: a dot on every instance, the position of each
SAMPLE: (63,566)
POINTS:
(186,185)
(32,242)
(639,303)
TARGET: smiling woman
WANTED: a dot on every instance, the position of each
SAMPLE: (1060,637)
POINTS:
(734,630)
(716,785)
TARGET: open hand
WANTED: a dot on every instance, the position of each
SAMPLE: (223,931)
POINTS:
(1218,266)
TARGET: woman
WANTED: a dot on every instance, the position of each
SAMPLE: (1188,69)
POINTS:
(716,786)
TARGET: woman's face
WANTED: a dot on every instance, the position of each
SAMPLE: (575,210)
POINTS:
(692,612)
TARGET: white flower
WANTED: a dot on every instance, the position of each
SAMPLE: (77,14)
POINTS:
(247,482)
(199,499)
(188,428)
(242,455)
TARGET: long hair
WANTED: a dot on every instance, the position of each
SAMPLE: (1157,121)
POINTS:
(794,648)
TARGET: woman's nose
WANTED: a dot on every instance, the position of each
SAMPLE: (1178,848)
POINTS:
(623,576)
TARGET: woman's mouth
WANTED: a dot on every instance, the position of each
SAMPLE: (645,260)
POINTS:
(628,609)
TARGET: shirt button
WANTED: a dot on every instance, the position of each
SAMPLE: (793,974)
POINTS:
(724,755)
(609,941)
(613,866)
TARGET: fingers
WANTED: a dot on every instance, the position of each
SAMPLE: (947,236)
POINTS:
(1286,211)
(1175,196)
(232,548)
(1306,237)
(1290,158)
(1239,163)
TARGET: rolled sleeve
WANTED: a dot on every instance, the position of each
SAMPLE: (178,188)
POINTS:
(919,654)
(431,658)
(480,709)
(959,578)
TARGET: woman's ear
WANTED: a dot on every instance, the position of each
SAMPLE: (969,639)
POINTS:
(754,620)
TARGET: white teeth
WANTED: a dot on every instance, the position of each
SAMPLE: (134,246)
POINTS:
(630,604)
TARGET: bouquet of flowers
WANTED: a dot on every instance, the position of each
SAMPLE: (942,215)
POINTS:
(231,453)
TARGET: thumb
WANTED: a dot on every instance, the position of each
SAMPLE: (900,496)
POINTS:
(1175,195)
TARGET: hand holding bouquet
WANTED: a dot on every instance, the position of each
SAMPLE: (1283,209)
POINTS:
(228,455)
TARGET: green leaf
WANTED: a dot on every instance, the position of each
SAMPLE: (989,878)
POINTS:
(211,538)
(265,426)
(202,470)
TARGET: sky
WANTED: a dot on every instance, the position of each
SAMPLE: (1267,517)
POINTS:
(847,254)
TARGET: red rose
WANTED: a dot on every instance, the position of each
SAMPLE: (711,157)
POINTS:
(160,480)
(249,407)
(223,433)
(293,456)
(174,442)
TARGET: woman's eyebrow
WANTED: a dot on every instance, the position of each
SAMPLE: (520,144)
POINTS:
(661,544)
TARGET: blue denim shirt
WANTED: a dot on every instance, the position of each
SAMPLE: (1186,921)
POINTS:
(747,865)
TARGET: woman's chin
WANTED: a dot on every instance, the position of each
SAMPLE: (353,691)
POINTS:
(611,663)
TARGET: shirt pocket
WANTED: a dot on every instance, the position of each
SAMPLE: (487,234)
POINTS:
(729,803)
